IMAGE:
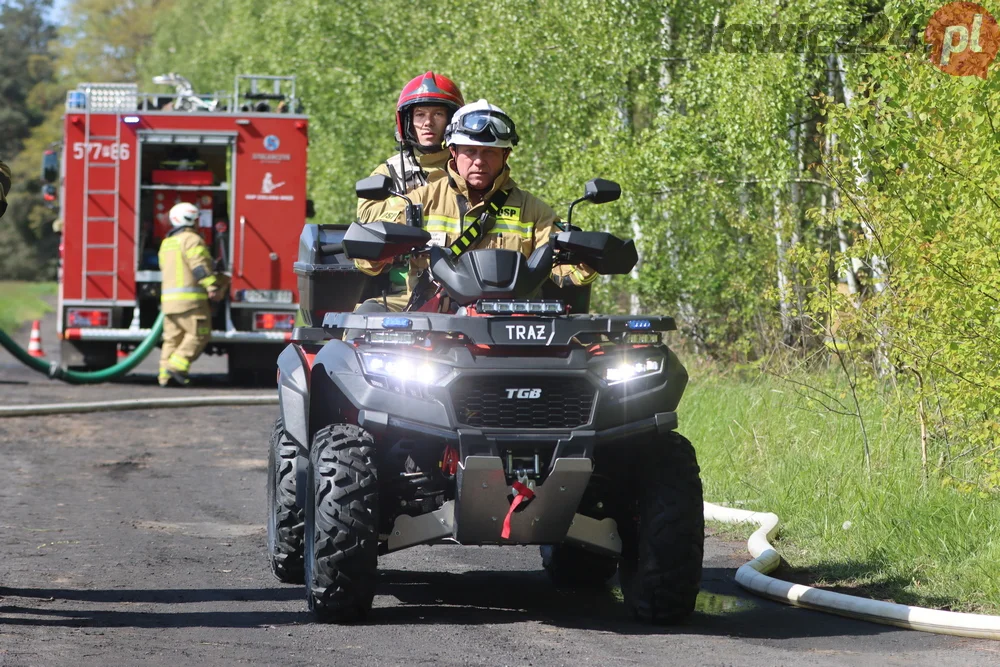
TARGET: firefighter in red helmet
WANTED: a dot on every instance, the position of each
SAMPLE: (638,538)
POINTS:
(425,107)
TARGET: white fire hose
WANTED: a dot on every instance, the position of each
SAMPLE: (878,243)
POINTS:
(753,577)
(137,404)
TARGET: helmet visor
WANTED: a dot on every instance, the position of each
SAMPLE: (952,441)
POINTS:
(477,123)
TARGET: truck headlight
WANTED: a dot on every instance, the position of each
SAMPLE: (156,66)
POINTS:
(624,370)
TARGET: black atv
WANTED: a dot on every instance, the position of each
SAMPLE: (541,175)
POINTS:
(507,420)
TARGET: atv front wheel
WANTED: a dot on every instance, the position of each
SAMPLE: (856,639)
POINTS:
(285,519)
(341,535)
(569,566)
(662,552)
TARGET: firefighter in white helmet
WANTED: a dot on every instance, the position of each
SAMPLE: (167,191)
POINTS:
(189,281)
(478,205)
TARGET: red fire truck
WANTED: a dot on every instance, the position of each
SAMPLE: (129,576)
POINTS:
(127,158)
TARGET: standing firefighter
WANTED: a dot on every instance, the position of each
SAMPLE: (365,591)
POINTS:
(4,186)
(189,281)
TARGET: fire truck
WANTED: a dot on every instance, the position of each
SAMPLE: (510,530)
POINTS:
(127,158)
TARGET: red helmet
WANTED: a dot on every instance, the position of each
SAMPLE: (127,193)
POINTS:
(429,88)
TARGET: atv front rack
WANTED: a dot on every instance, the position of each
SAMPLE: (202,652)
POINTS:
(521,330)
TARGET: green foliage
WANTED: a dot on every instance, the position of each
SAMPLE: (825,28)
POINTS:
(27,247)
(21,302)
(918,169)
(765,446)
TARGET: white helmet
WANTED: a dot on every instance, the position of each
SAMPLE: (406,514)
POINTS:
(481,124)
(184,215)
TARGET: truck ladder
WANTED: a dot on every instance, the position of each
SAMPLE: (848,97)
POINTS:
(88,219)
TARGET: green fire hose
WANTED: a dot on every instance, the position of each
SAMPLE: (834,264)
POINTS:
(57,372)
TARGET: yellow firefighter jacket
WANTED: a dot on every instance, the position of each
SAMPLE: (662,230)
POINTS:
(524,223)
(4,186)
(408,174)
(186,264)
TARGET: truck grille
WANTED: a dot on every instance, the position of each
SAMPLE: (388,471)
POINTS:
(522,402)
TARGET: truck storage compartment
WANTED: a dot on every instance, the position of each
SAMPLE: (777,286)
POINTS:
(328,281)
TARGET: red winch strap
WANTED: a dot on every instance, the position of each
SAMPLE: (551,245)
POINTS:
(523,493)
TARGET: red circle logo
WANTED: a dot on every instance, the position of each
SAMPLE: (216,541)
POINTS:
(964,39)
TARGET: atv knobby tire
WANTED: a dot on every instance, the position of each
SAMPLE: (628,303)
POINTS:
(570,566)
(660,571)
(285,520)
(341,555)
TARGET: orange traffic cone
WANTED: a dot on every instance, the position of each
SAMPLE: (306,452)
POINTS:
(35,341)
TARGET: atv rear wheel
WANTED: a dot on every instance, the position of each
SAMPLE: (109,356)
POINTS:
(285,519)
(341,554)
(662,552)
(569,566)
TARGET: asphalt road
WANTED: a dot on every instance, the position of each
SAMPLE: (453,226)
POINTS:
(138,538)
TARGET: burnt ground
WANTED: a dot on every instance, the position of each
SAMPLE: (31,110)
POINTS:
(138,538)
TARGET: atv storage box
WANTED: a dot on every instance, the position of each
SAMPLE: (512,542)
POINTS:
(328,280)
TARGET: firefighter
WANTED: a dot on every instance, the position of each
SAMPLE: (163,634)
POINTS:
(4,186)
(189,281)
(478,205)
(425,107)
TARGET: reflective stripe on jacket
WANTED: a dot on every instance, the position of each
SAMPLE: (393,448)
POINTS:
(184,256)
(425,169)
(524,223)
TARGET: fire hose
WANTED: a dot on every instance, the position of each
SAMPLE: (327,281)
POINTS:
(57,372)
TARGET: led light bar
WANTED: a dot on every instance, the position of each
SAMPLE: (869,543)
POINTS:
(394,338)
(638,324)
(505,307)
(642,338)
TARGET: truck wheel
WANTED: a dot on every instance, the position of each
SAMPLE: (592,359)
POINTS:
(341,554)
(285,520)
(662,549)
(570,566)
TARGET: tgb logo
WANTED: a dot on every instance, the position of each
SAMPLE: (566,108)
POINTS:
(524,393)
(964,39)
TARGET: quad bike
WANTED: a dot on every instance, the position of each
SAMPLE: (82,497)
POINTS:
(508,421)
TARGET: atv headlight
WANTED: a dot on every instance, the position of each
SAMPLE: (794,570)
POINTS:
(403,369)
(631,369)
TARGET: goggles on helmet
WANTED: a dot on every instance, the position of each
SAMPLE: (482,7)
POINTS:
(478,124)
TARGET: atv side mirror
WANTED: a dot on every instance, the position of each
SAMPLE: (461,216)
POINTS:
(600,191)
(596,191)
(605,253)
(379,241)
(378,188)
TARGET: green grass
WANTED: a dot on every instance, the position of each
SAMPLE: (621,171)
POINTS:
(763,447)
(21,302)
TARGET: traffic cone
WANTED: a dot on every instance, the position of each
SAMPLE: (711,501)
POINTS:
(35,341)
